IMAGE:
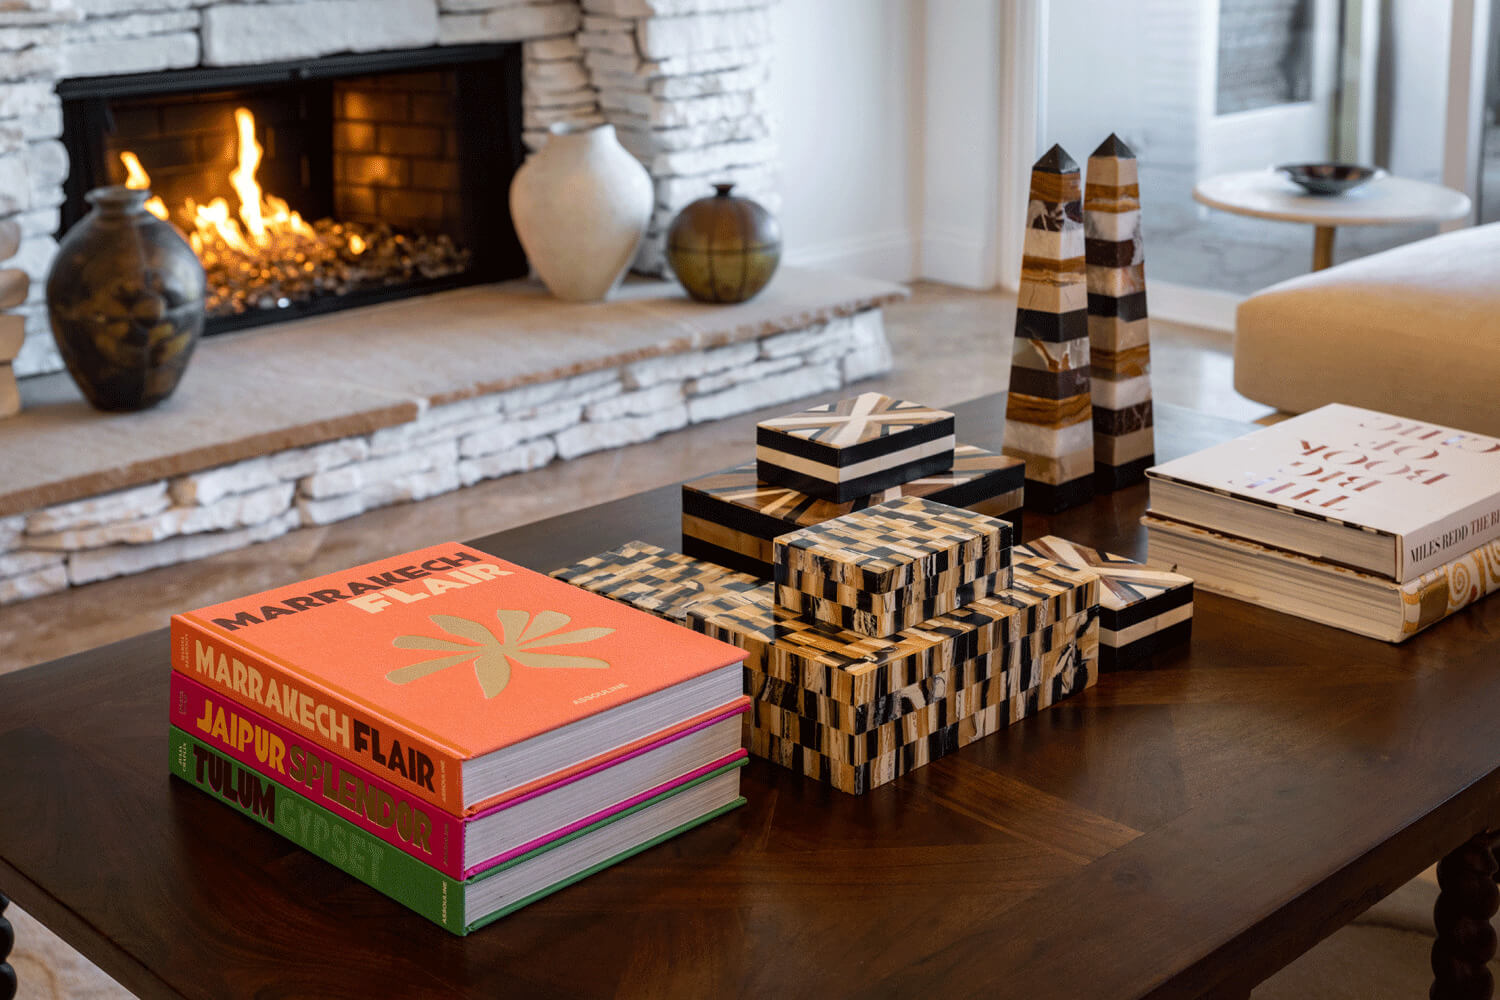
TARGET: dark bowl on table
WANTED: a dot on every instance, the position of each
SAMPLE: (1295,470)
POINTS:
(1328,178)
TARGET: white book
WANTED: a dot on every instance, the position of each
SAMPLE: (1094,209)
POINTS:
(1320,592)
(1359,488)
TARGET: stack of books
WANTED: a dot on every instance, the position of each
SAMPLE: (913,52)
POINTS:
(461,733)
(832,460)
(1350,517)
(901,633)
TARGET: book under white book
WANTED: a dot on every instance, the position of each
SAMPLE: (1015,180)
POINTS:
(1355,487)
(1318,591)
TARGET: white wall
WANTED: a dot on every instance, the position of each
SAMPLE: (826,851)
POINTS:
(960,142)
(1412,88)
(845,90)
(1095,84)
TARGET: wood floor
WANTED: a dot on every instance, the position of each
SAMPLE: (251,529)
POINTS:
(949,345)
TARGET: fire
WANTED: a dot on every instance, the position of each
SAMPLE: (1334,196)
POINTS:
(264,255)
(138,180)
(243,176)
(265,222)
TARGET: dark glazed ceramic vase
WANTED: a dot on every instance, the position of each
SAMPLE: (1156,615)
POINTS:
(723,248)
(125,297)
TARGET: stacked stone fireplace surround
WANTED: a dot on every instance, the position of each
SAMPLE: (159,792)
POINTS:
(681,80)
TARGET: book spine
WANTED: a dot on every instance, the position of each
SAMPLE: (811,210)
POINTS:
(1447,539)
(377,806)
(1450,588)
(660,838)
(337,841)
(406,759)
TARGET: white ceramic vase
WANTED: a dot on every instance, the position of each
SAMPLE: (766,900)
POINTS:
(581,205)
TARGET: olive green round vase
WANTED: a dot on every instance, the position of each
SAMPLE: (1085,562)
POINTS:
(723,248)
(125,295)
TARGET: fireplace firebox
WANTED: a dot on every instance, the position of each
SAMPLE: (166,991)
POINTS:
(312,186)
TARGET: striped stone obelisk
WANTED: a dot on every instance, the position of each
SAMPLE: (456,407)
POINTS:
(1119,341)
(1047,416)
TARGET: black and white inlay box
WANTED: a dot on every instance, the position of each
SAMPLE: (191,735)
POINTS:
(1142,609)
(850,449)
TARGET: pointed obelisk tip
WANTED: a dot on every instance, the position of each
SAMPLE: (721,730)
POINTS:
(1055,161)
(1114,146)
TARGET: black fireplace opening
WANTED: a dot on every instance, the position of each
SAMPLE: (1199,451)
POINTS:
(307,187)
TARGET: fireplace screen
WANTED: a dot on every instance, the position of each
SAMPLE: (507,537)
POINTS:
(310,187)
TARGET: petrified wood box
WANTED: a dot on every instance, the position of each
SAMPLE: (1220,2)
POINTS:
(850,449)
(892,565)
(1142,609)
(651,579)
(857,711)
(733,517)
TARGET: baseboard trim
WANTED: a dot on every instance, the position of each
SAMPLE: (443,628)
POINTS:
(1203,307)
(956,259)
(889,256)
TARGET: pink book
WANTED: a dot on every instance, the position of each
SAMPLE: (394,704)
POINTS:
(457,847)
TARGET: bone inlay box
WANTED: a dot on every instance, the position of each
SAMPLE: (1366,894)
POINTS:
(846,450)
(1048,411)
(1142,609)
(857,712)
(651,579)
(856,670)
(884,568)
(733,517)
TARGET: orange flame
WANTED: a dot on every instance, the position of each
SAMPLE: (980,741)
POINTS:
(137,179)
(243,177)
(263,218)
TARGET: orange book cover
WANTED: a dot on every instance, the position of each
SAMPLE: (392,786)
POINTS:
(423,665)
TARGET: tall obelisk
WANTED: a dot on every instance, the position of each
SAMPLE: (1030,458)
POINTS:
(1119,339)
(1048,421)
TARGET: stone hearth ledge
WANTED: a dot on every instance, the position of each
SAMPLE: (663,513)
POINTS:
(320,419)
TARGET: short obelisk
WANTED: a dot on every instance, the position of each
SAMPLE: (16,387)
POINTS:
(1048,422)
(1119,341)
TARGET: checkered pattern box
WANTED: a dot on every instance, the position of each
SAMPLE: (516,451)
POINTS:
(857,711)
(733,518)
(1053,671)
(651,579)
(856,764)
(857,669)
(1142,609)
(1022,663)
(890,566)
(846,450)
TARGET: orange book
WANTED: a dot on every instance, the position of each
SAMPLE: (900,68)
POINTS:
(460,676)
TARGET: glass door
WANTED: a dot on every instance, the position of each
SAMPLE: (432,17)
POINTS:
(1275,80)
(1204,87)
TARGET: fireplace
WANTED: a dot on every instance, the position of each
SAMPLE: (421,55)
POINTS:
(317,185)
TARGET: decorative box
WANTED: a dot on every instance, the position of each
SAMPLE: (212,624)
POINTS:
(879,614)
(654,580)
(732,517)
(1142,609)
(878,570)
(857,711)
(846,450)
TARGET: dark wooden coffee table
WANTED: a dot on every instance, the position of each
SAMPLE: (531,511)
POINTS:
(1179,832)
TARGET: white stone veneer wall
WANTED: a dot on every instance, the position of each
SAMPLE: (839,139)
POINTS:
(680,79)
(459,444)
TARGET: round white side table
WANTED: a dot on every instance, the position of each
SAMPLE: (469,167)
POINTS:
(1382,201)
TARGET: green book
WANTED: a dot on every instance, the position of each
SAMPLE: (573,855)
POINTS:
(459,906)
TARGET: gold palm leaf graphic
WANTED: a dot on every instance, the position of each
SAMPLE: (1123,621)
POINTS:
(520,634)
